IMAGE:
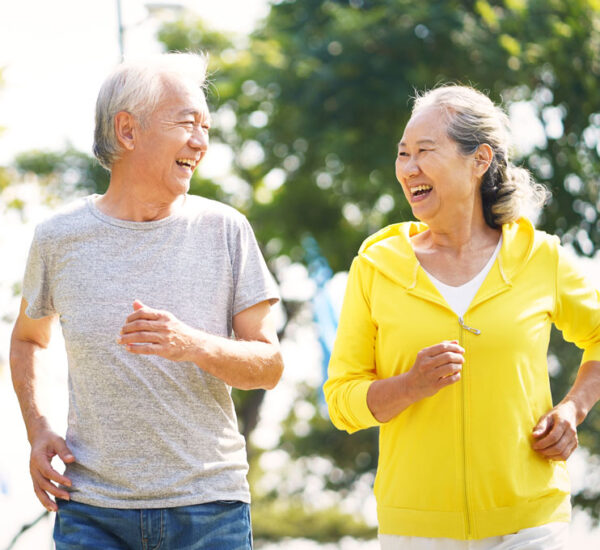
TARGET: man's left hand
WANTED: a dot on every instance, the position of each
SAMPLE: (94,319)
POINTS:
(555,435)
(149,331)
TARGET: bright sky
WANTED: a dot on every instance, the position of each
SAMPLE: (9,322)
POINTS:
(56,53)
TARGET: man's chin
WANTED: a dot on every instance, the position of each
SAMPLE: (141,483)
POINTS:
(181,187)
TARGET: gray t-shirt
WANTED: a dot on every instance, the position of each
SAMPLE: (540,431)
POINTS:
(147,432)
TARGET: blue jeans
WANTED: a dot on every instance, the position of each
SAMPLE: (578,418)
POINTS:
(222,525)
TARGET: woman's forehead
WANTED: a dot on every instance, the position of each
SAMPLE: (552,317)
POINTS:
(429,123)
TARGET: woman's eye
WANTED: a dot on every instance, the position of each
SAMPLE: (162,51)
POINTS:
(402,154)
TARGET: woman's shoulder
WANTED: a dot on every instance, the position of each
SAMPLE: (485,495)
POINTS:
(390,252)
(396,235)
(522,243)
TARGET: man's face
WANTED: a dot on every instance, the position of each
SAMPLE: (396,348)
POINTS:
(173,140)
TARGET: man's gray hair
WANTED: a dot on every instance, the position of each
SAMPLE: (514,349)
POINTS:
(136,87)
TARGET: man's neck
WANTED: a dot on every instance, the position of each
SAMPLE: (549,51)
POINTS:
(129,202)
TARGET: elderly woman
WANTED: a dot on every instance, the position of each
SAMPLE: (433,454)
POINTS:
(443,338)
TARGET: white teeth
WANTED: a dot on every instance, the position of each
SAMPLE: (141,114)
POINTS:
(418,189)
(187,162)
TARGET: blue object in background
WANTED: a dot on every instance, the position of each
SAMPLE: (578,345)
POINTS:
(4,490)
(324,313)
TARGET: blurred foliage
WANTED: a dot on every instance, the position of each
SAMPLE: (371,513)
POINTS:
(272,520)
(353,455)
(5,178)
(67,172)
(312,105)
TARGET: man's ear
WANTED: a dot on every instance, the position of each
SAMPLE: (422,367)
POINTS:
(126,130)
(483,159)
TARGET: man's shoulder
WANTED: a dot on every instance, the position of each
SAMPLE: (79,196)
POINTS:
(202,207)
(67,218)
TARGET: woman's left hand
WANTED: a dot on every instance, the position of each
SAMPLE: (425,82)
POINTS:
(555,435)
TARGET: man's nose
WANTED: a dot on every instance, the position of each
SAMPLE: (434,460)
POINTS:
(199,139)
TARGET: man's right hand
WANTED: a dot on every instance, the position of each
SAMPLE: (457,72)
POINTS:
(44,447)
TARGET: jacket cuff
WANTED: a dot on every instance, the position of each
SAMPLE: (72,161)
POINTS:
(591,353)
(357,402)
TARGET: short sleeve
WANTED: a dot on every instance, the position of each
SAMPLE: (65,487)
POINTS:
(577,309)
(36,282)
(253,283)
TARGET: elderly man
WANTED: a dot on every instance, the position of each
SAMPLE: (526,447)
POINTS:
(150,284)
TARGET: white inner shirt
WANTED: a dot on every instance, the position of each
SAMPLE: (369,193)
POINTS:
(460,297)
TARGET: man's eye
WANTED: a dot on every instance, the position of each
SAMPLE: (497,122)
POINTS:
(402,154)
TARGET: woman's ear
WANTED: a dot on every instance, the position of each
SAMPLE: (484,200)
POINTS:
(125,130)
(483,159)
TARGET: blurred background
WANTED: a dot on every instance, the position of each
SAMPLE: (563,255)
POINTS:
(308,99)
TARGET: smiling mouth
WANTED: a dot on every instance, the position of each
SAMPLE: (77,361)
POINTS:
(188,163)
(420,190)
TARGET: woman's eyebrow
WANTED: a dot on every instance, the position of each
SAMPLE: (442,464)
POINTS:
(419,141)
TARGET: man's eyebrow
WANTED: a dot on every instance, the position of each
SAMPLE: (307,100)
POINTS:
(190,111)
(195,113)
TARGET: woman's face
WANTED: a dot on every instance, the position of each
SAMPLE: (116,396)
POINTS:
(437,179)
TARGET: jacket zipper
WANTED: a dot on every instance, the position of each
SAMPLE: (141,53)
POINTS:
(477,332)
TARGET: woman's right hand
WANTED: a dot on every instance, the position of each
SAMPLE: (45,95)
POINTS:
(435,368)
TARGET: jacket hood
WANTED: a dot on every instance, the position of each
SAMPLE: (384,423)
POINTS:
(390,251)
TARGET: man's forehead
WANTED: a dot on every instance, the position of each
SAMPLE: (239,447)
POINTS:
(182,101)
(173,86)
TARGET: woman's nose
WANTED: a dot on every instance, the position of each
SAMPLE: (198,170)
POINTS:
(409,167)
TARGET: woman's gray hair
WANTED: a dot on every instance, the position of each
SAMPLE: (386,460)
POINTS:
(507,191)
(136,87)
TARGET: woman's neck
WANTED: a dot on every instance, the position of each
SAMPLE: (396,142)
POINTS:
(457,238)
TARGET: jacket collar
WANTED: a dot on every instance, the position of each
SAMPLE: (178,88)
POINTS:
(390,252)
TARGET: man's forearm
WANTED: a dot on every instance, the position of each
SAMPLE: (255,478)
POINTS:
(253,361)
(242,364)
(23,359)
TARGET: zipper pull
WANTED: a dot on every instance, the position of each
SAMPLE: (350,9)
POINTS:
(466,327)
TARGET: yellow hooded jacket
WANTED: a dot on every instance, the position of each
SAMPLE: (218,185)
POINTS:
(459,464)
